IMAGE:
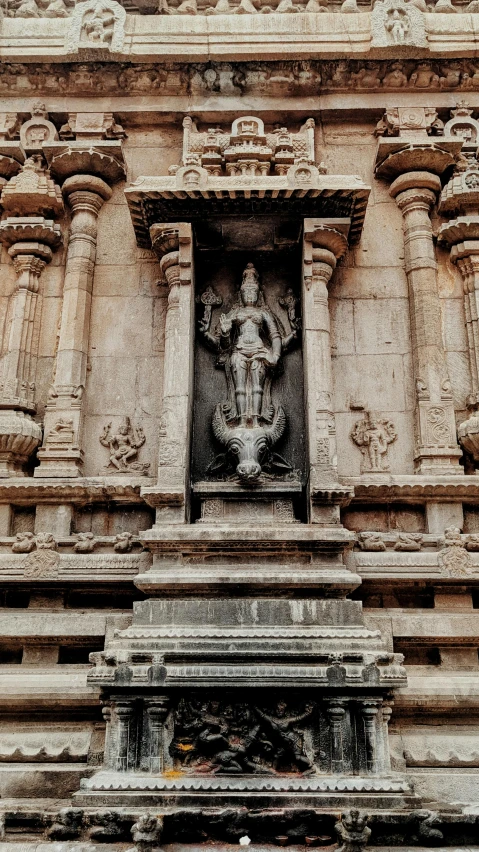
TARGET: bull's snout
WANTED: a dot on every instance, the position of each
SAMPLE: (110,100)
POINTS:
(248,470)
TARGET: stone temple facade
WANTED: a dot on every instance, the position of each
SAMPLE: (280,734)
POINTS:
(239,425)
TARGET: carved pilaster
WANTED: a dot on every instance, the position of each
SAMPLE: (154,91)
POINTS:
(30,238)
(408,153)
(386,713)
(323,245)
(369,713)
(156,712)
(173,245)
(86,195)
(109,744)
(436,450)
(336,712)
(123,749)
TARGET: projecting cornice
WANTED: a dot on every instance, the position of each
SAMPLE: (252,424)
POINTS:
(234,38)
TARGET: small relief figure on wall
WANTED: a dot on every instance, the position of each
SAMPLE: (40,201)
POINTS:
(123,446)
(250,341)
(373,435)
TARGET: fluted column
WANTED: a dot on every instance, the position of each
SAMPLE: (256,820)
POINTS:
(123,718)
(173,245)
(436,449)
(386,713)
(85,195)
(369,712)
(156,711)
(336,712)
(322,247)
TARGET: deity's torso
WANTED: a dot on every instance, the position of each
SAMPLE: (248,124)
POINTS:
(249,321)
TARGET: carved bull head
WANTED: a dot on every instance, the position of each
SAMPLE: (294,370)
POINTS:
(248,445)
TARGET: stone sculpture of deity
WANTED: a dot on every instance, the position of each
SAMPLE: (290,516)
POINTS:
(249,342)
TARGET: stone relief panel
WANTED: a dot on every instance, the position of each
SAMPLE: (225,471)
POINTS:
(373,435)
(248,419)
(123,445)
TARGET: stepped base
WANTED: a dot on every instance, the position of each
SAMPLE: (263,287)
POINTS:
(137,790)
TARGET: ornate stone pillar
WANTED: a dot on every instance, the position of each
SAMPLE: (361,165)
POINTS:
(323,246)
(173,245)
(415,165)
(459,202)
(109,744)
(156,711)
(27,199)
(386,713)
(124,739)
(369,713)
(336,712)
(85,195)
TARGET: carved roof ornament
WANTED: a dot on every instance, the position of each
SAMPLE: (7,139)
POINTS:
(11,153)
(405,142)
(247,165)
(395,22)
(32,192)
(91,127)
(96,24)
(460,196)
(247,150)
(38,130)
(9,126)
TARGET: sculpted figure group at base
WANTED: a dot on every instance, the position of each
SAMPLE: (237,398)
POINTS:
(250,343)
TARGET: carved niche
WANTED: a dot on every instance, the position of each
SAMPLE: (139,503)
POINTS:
(248,421)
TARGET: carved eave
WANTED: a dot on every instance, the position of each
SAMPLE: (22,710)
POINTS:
(389,488)
(81,491)
(103,158)
(397,155)
(163,199)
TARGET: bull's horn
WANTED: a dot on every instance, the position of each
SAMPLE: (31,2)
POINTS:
(220,429)
(277,427)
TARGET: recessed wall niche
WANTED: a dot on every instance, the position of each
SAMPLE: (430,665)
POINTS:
(235,383)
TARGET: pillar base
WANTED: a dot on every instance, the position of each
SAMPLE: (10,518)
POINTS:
(438,462)
(66,463)
(132,789)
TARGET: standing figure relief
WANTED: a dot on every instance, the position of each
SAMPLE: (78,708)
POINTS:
(249,341)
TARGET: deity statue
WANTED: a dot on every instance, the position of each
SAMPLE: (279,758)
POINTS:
(373,436)
(123,447)
(250,341)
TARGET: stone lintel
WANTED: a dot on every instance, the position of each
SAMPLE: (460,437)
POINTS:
(328,197)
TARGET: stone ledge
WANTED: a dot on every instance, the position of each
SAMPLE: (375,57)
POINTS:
(203,38)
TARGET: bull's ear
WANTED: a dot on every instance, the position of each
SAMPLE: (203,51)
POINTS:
(219,463)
